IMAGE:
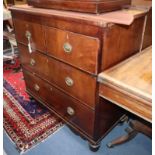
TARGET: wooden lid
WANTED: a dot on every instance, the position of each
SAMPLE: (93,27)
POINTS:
(125,16)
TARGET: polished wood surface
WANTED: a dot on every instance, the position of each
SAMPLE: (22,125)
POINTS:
(82,117)
(34,61)
(135,127)
(83,87)
(129,84)
(78,23)
(148,30)
(57,73)
(83,50)
(93,126)
(37,42)
(120,42)
(70,58)
(142,2)
(142,127)
(92,6)
(107,116)
(55,21)
(127,16)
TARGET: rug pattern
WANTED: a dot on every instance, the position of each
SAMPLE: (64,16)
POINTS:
(26,121)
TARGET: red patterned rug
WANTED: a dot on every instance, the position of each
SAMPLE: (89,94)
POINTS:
(26,121)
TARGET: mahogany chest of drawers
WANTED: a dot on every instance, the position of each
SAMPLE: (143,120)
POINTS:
(61,55)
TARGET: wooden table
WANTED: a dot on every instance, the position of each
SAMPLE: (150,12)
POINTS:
(129,84)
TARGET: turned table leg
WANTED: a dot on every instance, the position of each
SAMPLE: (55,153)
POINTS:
(141,127)
(135,127)
(131,133)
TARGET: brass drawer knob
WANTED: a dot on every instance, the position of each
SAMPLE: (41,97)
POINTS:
(36,87)
(32,62)
(67,48)
(70,111)
(69,81)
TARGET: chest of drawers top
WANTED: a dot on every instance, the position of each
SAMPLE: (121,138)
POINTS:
(43,16)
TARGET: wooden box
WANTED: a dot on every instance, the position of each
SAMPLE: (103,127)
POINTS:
(91,6)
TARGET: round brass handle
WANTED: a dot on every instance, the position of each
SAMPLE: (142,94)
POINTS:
(32,62)
(70,111)
(67,48)
(28,34)
(36,87)
(69,81)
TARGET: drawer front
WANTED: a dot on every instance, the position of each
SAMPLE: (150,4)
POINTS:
(78,50)
(34,62)
(73,111)
(30,34)
(78,84)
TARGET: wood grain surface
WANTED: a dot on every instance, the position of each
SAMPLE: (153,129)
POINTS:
(120,42)
(130,82)
(83,87)
(59,101)
(22,26)
(72,77)
(92,6)
(125,17)
(83,49)
(142,2)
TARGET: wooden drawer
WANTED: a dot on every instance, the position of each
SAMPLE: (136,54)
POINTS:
(78,50)
(34,62)
(71,110)
(76,83)
(28,32)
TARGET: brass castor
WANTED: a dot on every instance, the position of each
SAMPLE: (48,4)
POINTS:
(94,147)
(123,119)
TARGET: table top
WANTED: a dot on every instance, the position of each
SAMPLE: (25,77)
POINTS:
(132,76)
(125,16)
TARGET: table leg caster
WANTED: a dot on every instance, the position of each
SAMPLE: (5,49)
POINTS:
(123,119)
(94,147)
